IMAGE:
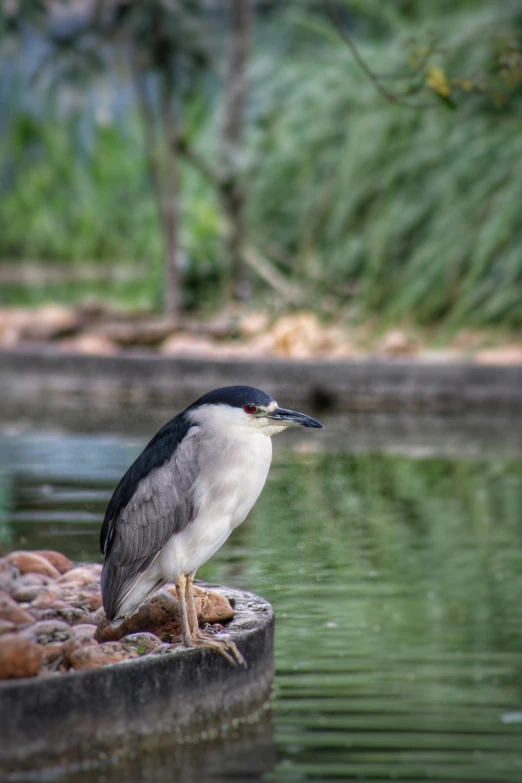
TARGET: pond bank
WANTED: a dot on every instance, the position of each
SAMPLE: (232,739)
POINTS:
(36,377)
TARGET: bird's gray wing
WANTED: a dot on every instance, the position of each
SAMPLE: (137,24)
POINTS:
(161,506)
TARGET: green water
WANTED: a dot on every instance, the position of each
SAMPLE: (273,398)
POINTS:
(397,587)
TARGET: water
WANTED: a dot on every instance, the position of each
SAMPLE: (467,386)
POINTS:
(397,586)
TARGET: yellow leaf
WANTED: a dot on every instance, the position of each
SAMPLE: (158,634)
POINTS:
(436,79)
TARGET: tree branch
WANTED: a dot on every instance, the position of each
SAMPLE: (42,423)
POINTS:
(398,100)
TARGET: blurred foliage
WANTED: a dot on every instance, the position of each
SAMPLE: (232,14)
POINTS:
(398,212)
(68,200)
(416,211)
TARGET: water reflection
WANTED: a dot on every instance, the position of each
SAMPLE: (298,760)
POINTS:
(397,585)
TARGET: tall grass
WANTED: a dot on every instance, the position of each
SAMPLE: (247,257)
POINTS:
(418,210)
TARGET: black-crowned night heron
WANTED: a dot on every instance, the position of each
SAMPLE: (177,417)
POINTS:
(180,500)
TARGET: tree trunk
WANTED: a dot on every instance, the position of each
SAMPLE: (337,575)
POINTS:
(233,192)
(170,216)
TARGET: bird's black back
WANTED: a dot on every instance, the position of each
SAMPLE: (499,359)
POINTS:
(154,455)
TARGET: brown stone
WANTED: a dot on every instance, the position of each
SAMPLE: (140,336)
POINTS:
(160,615)
(84,600)
(90,344)
(11,612)
(507,354)
(7,627)
(49,600)
(211,607)
(84,631)
(8,574)
(143,643)
(81,576)
(52,652)
(19,657)
(49,632)
(29,562)
(397,342)
(95,656)
(27,593)
(56,559)
(71,615)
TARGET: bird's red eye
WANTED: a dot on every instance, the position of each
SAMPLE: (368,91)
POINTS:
(249,408)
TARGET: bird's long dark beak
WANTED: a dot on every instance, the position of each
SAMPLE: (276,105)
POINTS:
(294,418)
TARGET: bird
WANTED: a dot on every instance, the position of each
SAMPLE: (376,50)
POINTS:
(177,504)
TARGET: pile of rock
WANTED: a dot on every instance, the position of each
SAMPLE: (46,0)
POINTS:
(52,619)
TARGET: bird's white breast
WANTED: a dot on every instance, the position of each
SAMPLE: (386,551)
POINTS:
(233,466)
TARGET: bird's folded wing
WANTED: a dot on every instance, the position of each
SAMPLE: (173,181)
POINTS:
(161,505)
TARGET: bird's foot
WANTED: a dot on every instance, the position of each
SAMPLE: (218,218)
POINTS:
(221,644)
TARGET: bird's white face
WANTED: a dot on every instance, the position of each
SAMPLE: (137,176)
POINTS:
(250,419)
(230,419)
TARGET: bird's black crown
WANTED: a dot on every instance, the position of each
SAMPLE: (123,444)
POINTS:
(235,396)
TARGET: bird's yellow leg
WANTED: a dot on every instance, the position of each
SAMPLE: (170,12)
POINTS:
(191,605)
(181,587)
(224,645)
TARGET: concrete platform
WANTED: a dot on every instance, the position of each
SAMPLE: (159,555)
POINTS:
(146,703)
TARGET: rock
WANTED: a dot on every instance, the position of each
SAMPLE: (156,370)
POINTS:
(11,612)
(49,632)
(299,335)
(84,600)
(397,342)
(49,600)
(8,574)
(90,344)
(50,321)
(188,345)
(28,562)
(211,607)
(160,615)
(143,643)
(85,631)
(253,324)
(19,657)
(71,615)
(27,593)
(59,561)
(136,331)
(32,579)
(81,576)
(162,649)
(7,627)
(95,656)
(508,354)
(52,652)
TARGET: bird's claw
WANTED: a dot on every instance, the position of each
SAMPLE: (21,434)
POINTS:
(223,645)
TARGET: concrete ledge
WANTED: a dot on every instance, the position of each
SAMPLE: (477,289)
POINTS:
(146,702)
(38,377)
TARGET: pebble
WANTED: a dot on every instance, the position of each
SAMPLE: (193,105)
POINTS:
(143,642)
(52,618)
(48,632)
(11,612)
(84,631)
(19,657)
(95,656)
(28,562)
(7,627)
(59,561)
